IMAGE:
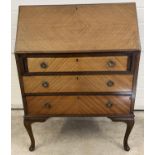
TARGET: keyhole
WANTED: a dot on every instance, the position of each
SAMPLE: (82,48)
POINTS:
(77,60)
(77,78)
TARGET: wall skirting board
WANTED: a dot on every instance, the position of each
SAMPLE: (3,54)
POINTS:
(23,109)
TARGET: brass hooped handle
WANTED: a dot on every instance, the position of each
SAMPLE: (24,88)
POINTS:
(111,63)
(47,105)
(43,65)
(45,84)
(109,104)
(110,83)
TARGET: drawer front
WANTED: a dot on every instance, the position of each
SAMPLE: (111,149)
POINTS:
(76,64)
(81,83)
(76,105)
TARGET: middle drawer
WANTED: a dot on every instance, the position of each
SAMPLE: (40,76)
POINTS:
(79,83)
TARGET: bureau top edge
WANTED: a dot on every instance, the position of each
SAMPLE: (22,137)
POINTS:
(79,52)
(79,4)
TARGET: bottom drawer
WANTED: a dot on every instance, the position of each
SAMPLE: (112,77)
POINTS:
(78,105)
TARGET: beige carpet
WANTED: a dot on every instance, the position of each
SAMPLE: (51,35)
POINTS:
(77,136)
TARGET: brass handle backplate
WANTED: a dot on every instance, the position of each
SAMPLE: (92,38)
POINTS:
(110,83)
(43,65)
(45,84)
(47,105)
(109,104)
(111,63)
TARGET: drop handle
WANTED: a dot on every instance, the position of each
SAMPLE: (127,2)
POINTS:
(111,63)
(45,84)
(43,65)
(47,106)
(109,104)
(110,83)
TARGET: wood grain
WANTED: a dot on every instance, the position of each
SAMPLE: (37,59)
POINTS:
(78,39)
(77,64)
(72,28)
(79,83)
(80,105)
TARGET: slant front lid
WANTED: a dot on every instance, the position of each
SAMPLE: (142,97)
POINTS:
(72,28)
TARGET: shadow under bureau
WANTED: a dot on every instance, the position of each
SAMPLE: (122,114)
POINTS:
(78,60)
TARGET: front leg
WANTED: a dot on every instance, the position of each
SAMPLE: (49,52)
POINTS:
(27,124)
(130,123)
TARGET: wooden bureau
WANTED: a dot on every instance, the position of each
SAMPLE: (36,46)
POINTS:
(78,60)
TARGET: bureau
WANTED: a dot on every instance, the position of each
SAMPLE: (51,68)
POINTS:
(78,60)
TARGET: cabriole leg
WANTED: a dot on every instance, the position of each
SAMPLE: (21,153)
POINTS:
(27,124)
(130,123)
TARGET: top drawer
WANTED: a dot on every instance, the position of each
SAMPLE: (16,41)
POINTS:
(76,64)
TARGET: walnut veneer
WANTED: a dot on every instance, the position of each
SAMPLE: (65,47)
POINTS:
(78,105)
(77,28)
(78,60)
(77,64)
(79,83)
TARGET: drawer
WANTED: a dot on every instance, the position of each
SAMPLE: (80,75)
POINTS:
(78,105)
(78,64)
(81,83)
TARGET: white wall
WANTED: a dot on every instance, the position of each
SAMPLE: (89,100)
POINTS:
(16,95)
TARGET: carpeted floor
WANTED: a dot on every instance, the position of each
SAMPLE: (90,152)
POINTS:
(77,136)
